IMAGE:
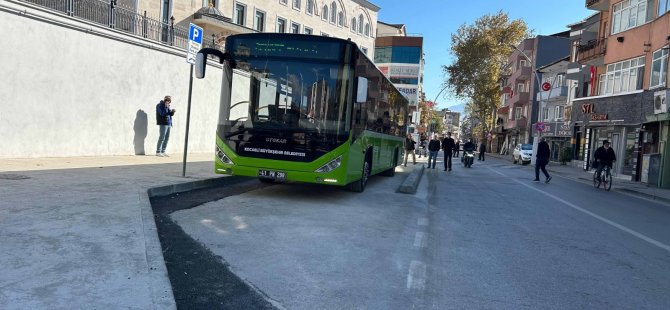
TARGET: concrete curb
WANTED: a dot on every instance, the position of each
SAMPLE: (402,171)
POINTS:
(187,186)
(410,183)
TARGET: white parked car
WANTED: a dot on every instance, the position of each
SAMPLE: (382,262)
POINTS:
(522,153)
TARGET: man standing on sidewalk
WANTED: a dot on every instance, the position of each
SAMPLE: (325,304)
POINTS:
(409,148)
(482,151)
(448,146)
(164,121)
(542,159)
(433,149)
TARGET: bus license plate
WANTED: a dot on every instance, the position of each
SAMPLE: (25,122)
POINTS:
(273,175)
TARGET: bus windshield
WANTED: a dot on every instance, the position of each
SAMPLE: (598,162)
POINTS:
(278,89)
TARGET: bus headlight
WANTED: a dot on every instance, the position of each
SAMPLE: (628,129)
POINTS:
(331,165)
(222,156)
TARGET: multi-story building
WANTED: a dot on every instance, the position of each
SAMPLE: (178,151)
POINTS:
(346,19)
(554,118)
(451,123)
(622,80)
(400,57)
(520,107)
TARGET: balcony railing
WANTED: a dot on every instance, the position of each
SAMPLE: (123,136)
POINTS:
(109,14)
(518,98)
(591,49)
(554,93)
(521,74)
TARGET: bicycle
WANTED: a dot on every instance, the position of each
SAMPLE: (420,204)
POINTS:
(605,178)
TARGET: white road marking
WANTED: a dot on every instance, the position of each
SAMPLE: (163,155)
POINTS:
(600,218)
(420,240)
(422,221)
(416,278)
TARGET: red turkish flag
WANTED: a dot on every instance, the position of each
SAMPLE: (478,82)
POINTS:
(593,78)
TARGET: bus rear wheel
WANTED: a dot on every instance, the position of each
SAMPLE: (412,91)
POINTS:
(391,172)
(359,186)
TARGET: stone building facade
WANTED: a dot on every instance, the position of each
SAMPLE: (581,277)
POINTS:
(346,19)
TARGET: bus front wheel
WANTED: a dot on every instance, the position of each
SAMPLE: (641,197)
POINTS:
(359,186)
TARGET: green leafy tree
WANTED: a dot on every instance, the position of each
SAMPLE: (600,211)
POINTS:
(480,55)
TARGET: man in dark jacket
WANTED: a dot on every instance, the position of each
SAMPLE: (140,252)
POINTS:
(457,148)
(164,121)
(541,160)
(482,150)
(604,157)
(409,148)
(433,149)
(448,146)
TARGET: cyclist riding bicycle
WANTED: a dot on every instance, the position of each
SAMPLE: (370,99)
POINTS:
(604,156)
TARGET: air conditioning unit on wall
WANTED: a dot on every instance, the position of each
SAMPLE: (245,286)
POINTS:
(659,102)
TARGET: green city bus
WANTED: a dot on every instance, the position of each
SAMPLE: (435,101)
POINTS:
(305,108)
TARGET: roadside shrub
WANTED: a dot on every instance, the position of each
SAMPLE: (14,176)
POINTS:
(566,155)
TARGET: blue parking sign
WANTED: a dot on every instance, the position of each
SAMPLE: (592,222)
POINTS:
(195,34)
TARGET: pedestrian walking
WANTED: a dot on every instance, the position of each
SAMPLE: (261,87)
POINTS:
(433,149)
(457,148)
(409,148)
(482,151)
(164,115)
(448,146)
(541,160)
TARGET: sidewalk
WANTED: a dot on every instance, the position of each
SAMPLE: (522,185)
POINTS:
(79,232)
(621,184)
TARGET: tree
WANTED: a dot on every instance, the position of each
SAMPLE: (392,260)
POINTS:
(480,51)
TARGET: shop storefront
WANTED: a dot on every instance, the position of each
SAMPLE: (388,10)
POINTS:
(618,119)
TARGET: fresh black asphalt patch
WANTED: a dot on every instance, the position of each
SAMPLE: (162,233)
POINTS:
(200,279)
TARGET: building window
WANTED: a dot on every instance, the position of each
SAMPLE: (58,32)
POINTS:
(333,12)
(240,13)
(659,68)
(282,2)
(523,63)
(360,23)
(623,76)
(259,21)
(630,13)
(295,28)
(324,12)
(308,30)
(281,25)
(353,24)
(296,4)
(545,114)
(521,88)
(310,7)
(340,19)
(517,112)
(558,114)
(367,30)
(206,3)
(663,6)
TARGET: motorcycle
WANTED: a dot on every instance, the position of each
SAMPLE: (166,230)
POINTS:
(468,158)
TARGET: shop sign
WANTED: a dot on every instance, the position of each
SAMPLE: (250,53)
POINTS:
(589,108)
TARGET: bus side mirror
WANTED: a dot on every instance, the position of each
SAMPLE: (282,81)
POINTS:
(200,65)
(362,91)
(201,60)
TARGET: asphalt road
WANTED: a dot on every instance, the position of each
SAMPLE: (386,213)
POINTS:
(485,237)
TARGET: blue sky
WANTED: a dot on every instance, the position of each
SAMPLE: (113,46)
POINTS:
(436,20)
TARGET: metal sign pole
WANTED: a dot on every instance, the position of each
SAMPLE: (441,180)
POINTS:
(188,120)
